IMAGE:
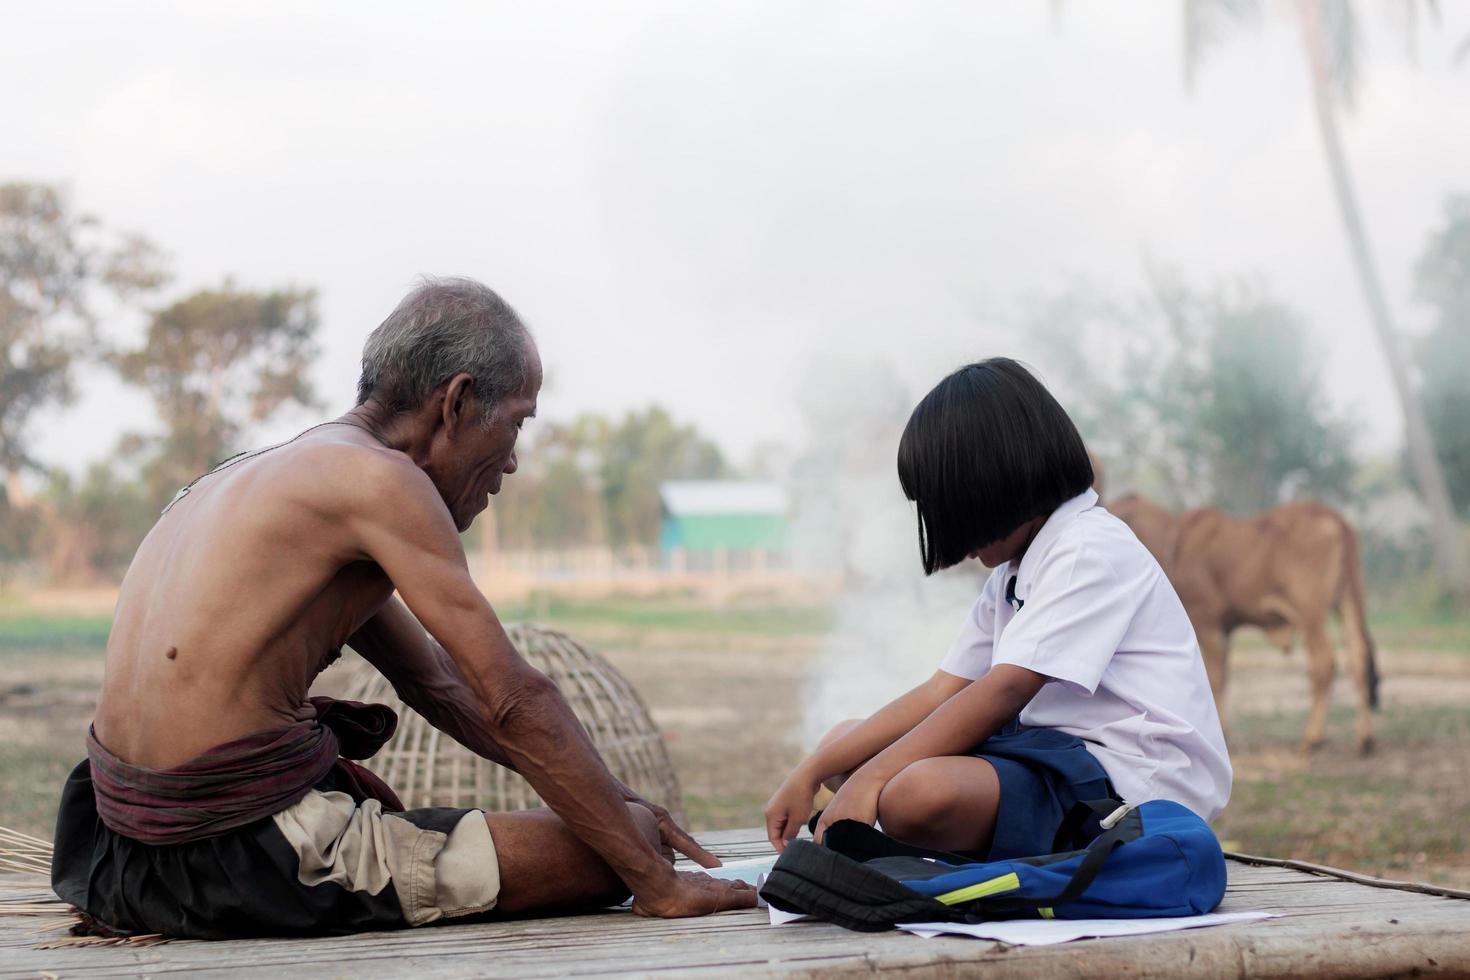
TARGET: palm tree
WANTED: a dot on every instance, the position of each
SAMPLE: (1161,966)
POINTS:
(1329,36)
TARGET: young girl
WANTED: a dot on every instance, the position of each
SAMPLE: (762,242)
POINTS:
(1075,676)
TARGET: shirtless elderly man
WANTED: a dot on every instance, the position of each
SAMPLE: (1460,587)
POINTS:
(214,801)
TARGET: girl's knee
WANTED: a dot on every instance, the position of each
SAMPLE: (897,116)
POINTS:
(947,803)
(915,800)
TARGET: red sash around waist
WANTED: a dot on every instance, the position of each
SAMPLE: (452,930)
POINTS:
(239,782)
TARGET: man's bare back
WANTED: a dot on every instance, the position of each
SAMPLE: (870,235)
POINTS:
(243,592)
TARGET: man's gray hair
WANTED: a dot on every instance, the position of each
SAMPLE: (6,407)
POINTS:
(442,328)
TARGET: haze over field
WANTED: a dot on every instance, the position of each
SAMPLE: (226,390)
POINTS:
(692,203)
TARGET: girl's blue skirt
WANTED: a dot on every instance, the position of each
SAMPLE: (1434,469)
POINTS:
(1043,772)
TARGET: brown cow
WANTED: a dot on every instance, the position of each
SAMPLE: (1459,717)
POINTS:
(1282,570)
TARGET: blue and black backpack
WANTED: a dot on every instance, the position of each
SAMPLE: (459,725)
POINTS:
(1112,862)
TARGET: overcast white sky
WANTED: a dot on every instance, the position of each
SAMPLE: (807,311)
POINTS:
(695,203)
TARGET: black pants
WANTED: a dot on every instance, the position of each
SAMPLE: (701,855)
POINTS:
(241,883)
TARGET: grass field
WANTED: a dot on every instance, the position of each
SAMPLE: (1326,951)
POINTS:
(725,685)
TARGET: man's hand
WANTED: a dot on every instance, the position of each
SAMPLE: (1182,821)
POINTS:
(856,800)
(696,893)
(789,808)
(671,837)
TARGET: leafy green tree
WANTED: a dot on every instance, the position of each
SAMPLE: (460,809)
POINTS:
(594,481)
(93,525)
(552,501)
(640,453)
(215,363)
(58,269)
(569,512)
(1259,405)
(1210,396)
(54,265)
(18,526)
(1442,282)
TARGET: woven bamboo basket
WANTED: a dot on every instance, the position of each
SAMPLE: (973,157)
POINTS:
(428,768)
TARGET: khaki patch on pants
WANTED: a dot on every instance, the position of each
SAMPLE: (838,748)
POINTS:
(361,848)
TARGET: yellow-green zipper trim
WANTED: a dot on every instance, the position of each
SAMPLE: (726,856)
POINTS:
(994,886)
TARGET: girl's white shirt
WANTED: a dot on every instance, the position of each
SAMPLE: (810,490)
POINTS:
(1098,616)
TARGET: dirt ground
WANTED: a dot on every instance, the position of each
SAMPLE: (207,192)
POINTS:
(729,706)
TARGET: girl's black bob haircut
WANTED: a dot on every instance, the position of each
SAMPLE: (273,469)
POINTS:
(986,451)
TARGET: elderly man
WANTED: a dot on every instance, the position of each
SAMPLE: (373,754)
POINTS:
(214,800)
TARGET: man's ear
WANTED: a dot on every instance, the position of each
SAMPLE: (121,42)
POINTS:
(459,403)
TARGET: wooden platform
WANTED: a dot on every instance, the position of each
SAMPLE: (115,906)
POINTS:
(1332,928)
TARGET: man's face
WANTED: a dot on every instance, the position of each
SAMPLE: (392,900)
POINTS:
(487,454)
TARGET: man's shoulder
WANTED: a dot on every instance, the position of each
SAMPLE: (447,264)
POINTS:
(344,473)
(346,459)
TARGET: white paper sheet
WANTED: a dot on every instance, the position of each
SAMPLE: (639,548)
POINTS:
(1044,932)
(748,870)
(779,918)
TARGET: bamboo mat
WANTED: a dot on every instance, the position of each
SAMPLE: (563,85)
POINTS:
(1330,926)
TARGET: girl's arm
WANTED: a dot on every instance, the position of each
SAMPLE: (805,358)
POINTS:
(789,808)
(961,722)
(884,727)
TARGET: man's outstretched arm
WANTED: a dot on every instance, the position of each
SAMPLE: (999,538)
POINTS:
(402,524)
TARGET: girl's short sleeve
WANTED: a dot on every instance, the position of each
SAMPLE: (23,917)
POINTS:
(969,655)
(1077,612)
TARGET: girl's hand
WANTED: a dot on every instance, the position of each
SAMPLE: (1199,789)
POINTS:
(856,800)
(789,808)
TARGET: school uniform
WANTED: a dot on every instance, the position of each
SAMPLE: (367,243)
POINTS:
(1129,708)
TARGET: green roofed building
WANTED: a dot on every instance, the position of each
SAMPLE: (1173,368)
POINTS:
(723,523)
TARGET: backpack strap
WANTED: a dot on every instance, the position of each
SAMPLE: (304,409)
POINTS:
(1127,827)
